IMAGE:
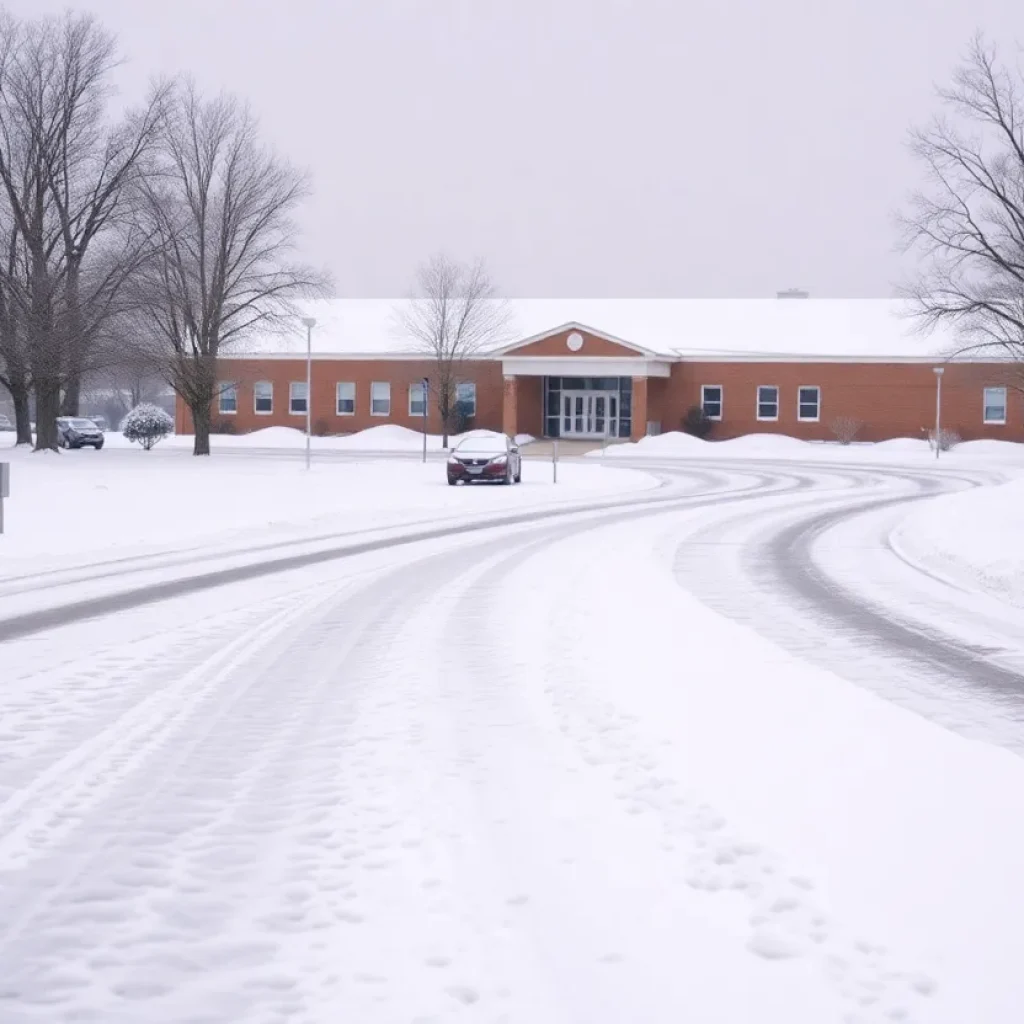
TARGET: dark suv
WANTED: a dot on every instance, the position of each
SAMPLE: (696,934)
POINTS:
(74,432)
(485,457)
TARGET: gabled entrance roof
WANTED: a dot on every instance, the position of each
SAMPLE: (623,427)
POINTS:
(569,327)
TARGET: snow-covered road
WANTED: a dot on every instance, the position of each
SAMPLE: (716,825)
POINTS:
(700,754)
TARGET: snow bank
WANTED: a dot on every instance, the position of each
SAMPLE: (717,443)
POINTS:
(990,446)
(771,444)
(916,445)
(973,537)
(388,437)
(782,446)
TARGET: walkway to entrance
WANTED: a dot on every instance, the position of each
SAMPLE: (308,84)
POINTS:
(543,448)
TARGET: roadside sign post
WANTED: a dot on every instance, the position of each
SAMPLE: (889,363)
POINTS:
(554,461)
(426,388)
(5,489)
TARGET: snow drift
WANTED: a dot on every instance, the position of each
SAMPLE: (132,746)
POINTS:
(973,537)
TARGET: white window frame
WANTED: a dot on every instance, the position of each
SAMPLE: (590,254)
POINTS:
(338,411)
(257,411)
(757,403)
(420,388)
(721,400)
(292,385)
(383,384)
(817,405)
(467,384)
(226,387)
(985,405)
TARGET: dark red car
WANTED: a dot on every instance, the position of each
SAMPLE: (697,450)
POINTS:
(493,458)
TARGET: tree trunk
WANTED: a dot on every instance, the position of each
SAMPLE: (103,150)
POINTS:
(22,414)
(47,410)
(443,413)
(71,403)
(75,343)
(201,426)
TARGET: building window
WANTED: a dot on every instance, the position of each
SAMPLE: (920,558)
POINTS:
(380,398)
(346,398)
(767,402)
(417,400)
(711,396)
(808,408)
(465,396)
(263,398)
(228,398)
(995,405)
(297,395)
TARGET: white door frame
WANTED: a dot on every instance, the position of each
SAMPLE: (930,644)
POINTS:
(581,408)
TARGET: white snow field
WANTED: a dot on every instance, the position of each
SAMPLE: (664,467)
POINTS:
(693,743)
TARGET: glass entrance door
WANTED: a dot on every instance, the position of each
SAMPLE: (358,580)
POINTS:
(590,414)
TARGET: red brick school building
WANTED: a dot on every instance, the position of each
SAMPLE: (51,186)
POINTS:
(596,369)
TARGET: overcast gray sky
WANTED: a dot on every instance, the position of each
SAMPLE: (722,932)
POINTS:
(582,147)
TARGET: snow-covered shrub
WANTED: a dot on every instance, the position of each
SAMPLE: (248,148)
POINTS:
(845,429)
(147,424)
(946,439)
(698,423)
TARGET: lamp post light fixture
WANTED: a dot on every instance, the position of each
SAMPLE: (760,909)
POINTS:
(939,370)
(310,323)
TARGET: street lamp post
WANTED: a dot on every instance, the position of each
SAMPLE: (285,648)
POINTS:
(310,323)
(939,370)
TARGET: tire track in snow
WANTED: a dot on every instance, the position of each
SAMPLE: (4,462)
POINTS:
(132,854)
(794,601)
(54,616)
(79,890)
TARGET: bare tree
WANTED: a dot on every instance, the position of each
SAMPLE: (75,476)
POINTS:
(967,224)
(15,375)
(67,178)
(454,314)
(845,429)
(220,210)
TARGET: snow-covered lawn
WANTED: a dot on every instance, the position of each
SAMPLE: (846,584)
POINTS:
(81,502)
(975,538)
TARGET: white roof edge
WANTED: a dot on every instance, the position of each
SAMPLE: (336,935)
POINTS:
(710,356)
(352,357)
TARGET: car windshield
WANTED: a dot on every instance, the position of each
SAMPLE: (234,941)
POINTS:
(85,424)
(485,445)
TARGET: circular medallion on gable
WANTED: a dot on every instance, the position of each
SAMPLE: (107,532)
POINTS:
(574,341)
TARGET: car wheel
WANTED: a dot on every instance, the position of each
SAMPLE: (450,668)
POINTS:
(99,446)
(451,482)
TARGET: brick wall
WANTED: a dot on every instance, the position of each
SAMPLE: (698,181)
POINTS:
(890,399)
(400,374)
